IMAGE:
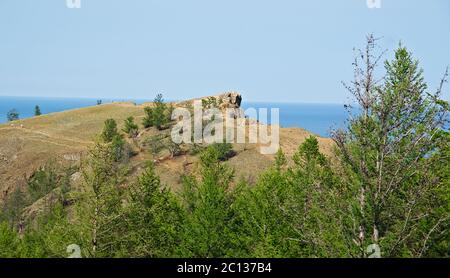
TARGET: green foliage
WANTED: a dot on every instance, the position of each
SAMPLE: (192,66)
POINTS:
(285,214)
(130,128)
(42,182)
(100,214)
(109,131)
(156,143)
(158,115)
(154,218)
(111,136)
(388,184)
(12,115)
(385,157)
(9,241)
(148,118)
(280,159)
(37,110)
(195,149)
(208,205)
(159,112)
(223,150)
(13,206)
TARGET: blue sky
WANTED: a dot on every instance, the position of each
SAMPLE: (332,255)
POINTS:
(277,50)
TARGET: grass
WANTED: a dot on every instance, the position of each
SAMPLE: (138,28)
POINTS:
(30,143)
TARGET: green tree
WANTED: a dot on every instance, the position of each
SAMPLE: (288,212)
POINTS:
(159,112)
(99,211)
(130,128)
(12,115)
(382,153)
(111,135)
(291,212)
(109,131)
(224,150)
(207,203)
(13,206)
(154,218)
(148,118)
(9,241)
(37,110)
(42,182)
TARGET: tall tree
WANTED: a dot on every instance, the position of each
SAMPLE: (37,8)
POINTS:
(37,110)
(154,218)
(159,112)
(382,150)
(100,211)
(208,205)
(110,135)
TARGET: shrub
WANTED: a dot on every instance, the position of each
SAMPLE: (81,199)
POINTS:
(37,110)
(43,181)
(109,131)
(130,128)
(159,112)
(148,119)
(12,115)
(224,150)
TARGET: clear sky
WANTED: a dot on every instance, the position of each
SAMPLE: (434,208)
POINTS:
(269,50)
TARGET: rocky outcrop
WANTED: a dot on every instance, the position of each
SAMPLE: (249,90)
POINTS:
(229,102)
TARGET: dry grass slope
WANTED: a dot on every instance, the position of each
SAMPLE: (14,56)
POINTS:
(27,144)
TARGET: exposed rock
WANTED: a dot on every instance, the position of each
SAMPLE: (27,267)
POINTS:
(72,157)
(75,176)
(229,102)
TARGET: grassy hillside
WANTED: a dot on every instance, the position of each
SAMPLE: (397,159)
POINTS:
(26,145)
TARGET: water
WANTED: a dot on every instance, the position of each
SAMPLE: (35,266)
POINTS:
(317,118)
(25,105)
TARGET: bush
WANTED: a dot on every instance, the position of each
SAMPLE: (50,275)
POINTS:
(148,119)
(224,150)
(131,129)
(112,136)
(159,113)
(43,181)
(12,115)
(157,116)
(37,110)
(109,131)
(156,143)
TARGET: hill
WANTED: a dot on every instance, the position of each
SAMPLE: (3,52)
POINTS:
(64,137)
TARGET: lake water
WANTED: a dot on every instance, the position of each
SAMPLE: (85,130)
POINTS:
(317,118)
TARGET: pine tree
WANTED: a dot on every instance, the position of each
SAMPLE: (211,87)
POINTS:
(130,128)
(100,213)
(382,150)
(208,205)
(37,110)
(109,131)
(111,136)
(148,118)
(154,218)
(159,112)
(12,115)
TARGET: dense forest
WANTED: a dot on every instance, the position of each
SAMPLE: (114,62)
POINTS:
(385,192)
